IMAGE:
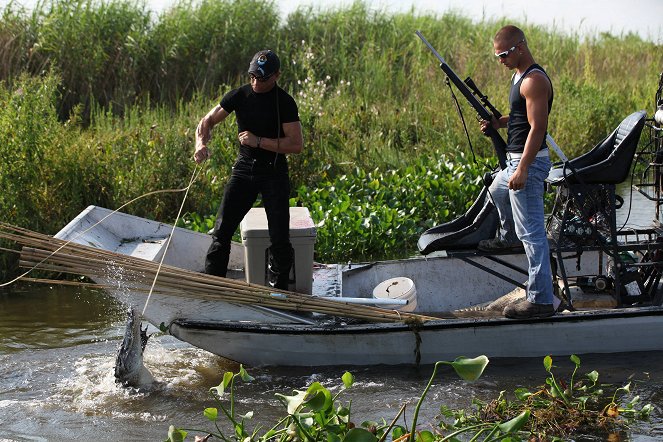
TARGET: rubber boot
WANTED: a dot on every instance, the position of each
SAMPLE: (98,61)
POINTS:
(278,277)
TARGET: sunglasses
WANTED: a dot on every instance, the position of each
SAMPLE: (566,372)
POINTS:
(509,51)
(260,79)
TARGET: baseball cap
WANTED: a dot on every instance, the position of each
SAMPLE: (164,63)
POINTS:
(264,64)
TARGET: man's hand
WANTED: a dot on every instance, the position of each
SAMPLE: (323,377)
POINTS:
(201,153)
(246,138)
(494,124)
(204,132)
(518,179)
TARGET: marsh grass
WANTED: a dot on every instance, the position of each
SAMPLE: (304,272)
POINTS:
(99,99)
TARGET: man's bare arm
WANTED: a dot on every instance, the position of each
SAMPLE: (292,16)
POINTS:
(204,132)
(291,142)
(536,91)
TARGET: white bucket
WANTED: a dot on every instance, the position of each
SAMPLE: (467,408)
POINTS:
(399,288)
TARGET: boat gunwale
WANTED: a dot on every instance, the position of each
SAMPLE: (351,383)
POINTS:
(369,328)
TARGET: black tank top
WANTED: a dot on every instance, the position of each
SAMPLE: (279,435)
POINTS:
(518,126)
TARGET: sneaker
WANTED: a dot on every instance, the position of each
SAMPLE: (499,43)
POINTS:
(499,245)
(526,310)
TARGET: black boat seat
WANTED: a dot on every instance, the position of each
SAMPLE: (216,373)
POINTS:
(465,232)
(609,161)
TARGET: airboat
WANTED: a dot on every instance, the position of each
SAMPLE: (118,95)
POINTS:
(443,303)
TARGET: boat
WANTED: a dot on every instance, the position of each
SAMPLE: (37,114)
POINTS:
(446,285)
(441,304)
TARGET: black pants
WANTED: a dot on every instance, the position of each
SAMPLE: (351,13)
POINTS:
(249,178)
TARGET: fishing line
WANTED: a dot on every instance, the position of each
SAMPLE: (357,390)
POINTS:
(196,171)
(172,232)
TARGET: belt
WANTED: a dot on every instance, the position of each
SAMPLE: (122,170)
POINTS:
(262,161)
(518,155)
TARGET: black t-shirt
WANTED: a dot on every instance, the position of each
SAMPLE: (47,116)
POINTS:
(259,114)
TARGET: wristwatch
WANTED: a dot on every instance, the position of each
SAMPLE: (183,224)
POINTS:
(259,140)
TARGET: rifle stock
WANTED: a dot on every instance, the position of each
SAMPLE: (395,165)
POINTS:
(481,105)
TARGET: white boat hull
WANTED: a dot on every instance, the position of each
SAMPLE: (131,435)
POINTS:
(255,335)
(612,331)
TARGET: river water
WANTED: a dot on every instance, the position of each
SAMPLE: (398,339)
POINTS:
(58,346)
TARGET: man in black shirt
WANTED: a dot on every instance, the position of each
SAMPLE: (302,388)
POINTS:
(268,129)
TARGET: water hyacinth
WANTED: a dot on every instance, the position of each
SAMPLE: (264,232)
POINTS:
(377,214)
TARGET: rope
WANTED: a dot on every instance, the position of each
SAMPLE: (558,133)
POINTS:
(197,169)
(172,232)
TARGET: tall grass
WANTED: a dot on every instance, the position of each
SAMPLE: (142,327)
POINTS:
(99,99)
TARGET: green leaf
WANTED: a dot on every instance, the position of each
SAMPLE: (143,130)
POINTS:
(318,397)
(470,369)
(575,359)
(547,363)
(348,379)
(211,413)
(522,393)
(359,435)
(245,375)
(515,424)
(397,432)
(593,376)
(425,436)
(176,435)
(221,388)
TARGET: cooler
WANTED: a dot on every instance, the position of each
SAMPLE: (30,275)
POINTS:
(255,238)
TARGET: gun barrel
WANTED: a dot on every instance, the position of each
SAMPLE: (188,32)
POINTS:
(479,104)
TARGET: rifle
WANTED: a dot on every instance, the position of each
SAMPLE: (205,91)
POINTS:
(485,110)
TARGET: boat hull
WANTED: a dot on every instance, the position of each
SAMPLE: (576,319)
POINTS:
(610,331)
(446,286)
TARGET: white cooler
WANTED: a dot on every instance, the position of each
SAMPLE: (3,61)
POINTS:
(255,238)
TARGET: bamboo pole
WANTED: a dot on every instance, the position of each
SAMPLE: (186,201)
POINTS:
(48,253)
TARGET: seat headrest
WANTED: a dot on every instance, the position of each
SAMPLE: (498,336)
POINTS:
(627,125)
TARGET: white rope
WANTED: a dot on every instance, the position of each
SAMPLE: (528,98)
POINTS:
(172,232)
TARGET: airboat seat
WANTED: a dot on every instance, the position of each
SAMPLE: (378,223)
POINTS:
(609,161)
(465,232)
(584,213)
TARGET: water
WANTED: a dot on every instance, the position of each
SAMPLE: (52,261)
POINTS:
(58,346)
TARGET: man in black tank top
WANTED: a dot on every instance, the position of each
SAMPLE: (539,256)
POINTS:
(517,190)
(268,128)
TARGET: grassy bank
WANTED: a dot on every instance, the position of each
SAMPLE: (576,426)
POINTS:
(98,103)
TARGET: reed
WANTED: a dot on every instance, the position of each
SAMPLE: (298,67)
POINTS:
(48,253)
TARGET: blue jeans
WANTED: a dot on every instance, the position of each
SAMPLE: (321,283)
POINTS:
(521,215)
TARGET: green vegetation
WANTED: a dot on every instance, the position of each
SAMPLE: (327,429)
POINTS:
(554,411)
(557,410)
(99,100)
(374,214)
